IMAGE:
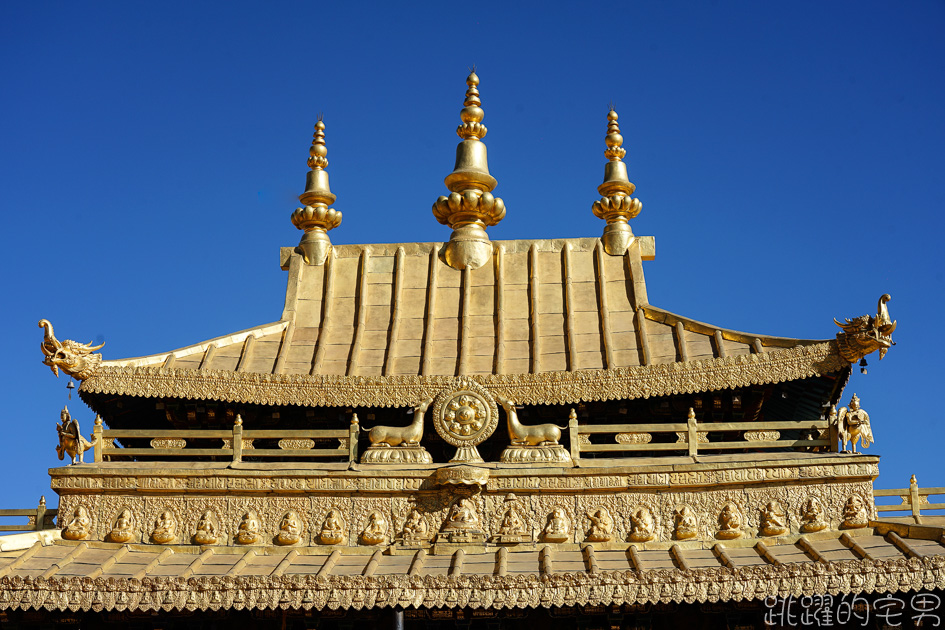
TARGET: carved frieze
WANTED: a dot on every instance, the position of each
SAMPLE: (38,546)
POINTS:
(661,379)
(475,592)
(663,513)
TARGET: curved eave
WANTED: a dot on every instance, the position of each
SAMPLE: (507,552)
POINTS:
(662,379)
(93,576)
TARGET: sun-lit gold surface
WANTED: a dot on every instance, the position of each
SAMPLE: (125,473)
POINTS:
(316,218)
(470,206)
(853,424)
(551,523)
(616,206)
(71,442)
(74,358)
(864,334)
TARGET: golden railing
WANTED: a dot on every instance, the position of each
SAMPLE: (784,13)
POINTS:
(38,518)
(236,443)
(913,499)
(693,436)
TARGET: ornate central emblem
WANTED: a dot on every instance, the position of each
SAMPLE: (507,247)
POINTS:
(465,417)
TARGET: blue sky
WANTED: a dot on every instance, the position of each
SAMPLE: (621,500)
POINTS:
(789,157)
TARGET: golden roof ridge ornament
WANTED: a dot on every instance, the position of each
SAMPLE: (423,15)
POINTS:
(865,334)
(616,206)
(316,218)
(470,207)
(76,359)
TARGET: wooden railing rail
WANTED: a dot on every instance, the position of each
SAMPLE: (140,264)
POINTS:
(914,499)
(237,443)
(39,518)
(693,436)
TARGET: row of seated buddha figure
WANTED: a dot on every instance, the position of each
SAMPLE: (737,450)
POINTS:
(463,523)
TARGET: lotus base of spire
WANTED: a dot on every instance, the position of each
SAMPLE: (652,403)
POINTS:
(469,246)
(617,238)
(314,247)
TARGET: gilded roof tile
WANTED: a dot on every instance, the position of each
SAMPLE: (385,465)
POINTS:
(398,311)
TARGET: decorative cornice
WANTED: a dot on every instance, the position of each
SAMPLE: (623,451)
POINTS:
(495,592)
(664,379)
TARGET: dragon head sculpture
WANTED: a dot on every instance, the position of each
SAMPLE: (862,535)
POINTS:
(74,358)
(864,334)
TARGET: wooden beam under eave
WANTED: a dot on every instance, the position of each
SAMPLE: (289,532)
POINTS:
(569,306)
(109,562)
(285,563)
(456,564)
(501,561)
(534,283)
(395,311)
(207,357)
(161,557)
(633,557)
(416,565)
(284,348)
(69,557)
(643,338)
(499,366)
(607,338)
(197,563)
(634,263)
(682,346)
(428,328)
(329,564)
(462,364)
(354,357)
(246,353)
(371,566)
(324,326)
(719,344)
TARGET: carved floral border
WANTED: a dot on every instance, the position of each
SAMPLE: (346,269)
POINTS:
(474,591)
(802,361)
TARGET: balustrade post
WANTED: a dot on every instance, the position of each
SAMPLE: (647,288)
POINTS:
(40,514)
(353,430)
(914,499)
(97,439)
(238,439)
(693,437)
(575,435)
(833,430)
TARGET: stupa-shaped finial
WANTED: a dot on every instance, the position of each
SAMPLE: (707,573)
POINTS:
(316,218)
(616,206)
(470,207)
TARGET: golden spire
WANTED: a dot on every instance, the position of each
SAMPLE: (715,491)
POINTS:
(616,206)
(316,218)
(470,207)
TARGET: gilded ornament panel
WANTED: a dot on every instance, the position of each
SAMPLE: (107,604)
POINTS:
(210,514)
(662,379)
(548,511)
(373,516)
(525,506)
(317,515)
(163,520)
(617,507)
(110,508)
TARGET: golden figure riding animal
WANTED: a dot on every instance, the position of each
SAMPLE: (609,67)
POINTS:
(71,441)
(853,424)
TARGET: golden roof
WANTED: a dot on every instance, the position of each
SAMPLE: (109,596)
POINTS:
(541,321)
(886,558)
(548,321)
